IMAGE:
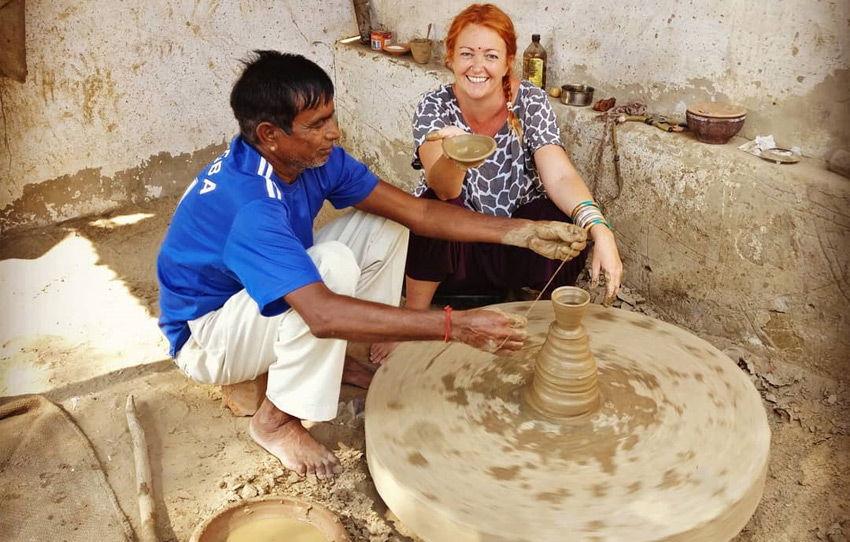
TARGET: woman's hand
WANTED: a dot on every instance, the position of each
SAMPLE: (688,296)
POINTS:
(605,259)
(442,174)
(445,133)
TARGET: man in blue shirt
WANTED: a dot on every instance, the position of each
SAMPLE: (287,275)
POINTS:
(247,288)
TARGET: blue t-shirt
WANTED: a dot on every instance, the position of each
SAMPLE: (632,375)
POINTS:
(239,226)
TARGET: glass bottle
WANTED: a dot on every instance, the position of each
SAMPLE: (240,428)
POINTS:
(534,62)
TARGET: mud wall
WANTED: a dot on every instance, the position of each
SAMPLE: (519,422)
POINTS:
(121,102)
(787,62)
(130,101)
(719,240)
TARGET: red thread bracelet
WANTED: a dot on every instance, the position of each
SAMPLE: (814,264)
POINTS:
(448,309)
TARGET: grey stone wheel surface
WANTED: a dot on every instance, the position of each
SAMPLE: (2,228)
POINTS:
(677,450)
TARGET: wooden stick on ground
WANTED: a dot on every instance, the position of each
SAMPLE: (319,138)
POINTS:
(144,488)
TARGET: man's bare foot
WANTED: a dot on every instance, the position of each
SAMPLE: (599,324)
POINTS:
(378,352)
(283,436)
(355,374)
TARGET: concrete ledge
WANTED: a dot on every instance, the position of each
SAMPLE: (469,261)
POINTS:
(726,243)
(720,241)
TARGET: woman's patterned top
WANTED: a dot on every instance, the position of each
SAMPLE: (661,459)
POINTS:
(509,178)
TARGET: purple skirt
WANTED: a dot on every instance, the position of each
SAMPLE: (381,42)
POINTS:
(488,267)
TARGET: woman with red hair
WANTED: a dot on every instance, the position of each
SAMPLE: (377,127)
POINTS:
(529,175)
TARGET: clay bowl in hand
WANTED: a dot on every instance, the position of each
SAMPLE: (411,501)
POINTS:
(397,49)
(715,122)
(469,150)
(265,514)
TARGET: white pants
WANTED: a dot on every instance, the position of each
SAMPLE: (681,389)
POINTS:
(358,255)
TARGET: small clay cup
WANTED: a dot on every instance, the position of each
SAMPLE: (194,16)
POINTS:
(421,50)
(469,150)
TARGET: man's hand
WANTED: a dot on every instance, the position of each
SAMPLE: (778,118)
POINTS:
(490,329)
(554,240)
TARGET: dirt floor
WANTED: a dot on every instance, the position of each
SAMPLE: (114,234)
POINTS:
(79,325)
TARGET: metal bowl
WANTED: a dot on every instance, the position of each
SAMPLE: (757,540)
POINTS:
(578,95)
(780,156)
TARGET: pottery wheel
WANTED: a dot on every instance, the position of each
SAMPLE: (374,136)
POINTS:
(677,450)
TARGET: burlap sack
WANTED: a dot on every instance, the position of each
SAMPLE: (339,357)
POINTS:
(51,484)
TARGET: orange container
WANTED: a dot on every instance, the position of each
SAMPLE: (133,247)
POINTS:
(380,39)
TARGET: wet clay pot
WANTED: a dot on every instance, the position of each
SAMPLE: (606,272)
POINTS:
(220,527)
(564,384)
(420,48)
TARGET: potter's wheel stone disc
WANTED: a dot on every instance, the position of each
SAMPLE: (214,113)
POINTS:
(677,452)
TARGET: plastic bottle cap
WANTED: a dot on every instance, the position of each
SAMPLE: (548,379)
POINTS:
(535,37)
